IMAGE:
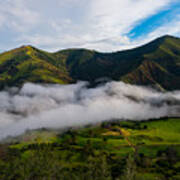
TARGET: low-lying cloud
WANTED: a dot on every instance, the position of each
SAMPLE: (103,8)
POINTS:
(61,106)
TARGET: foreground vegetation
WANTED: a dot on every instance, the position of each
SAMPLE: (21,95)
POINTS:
(112,150)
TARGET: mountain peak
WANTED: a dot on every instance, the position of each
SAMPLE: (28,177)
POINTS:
(167,36)
(157,62)
(28,47)
(166,39)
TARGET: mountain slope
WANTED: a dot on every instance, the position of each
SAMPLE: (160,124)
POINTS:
(27,64)
(160,66)
(156,63)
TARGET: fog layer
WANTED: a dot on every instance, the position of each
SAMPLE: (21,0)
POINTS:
(61,106)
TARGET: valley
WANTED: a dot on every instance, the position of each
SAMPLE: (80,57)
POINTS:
(148,150)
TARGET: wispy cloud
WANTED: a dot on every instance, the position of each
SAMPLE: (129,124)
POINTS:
(171,28)
(17,16)
(102,25)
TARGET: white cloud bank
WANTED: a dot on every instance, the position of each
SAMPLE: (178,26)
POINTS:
(57,106)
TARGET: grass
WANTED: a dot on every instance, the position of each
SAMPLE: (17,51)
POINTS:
(149,137)
(158,132)
(155,146)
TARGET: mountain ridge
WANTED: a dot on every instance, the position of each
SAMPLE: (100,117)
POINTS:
(156,63)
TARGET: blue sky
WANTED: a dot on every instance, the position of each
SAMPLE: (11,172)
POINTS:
(103,25)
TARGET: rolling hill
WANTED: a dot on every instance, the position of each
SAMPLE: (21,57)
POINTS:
(156,63)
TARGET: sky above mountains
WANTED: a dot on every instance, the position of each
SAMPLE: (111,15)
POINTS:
(103,25)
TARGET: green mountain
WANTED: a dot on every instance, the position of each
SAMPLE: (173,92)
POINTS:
(156,63)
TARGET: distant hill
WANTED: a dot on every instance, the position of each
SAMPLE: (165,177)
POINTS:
(156,63)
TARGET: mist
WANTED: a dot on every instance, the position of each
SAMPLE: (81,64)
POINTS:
(61,106)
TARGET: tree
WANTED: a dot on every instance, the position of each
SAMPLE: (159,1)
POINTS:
(130,170)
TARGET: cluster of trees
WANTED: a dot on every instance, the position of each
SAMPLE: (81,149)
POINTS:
(47,162)
(67,159)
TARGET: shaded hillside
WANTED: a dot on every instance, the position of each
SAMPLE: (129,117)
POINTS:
(156,63)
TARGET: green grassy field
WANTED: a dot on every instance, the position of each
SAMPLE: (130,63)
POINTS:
(112,150)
